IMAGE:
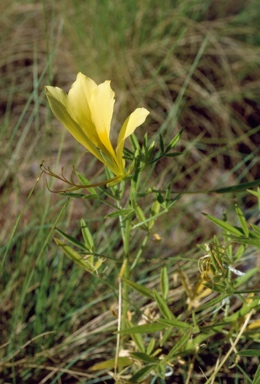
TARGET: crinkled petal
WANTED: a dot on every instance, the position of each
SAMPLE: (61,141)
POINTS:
(131,123)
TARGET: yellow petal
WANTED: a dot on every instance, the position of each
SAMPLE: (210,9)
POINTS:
(101,106)
(58,103)
(78,101)
(131,123)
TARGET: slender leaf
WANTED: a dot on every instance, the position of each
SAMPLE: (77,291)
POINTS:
(174,141)
(88,239)
(179,345)
(72,240)
(76,257)
(120,212)
(164,283)
(143,357)
(151,346)
(161,143)
(249,352)
(141,374)
(162,305)
(224,225)
(242,221)
(238,187)
(256,379)
(122,362)
(176,323)
(144,328)
(256,228)
(139,288)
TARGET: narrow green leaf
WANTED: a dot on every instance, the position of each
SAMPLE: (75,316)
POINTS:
(161,143)
(163,307)
(72,240)
(174,141)
(174,154)
(85,181)
(244,240)
(75,257)
(211,303)
(166,334)
(194,343)
(238,187)
(240,252)
(74,195)
(256,228)
(256,379)
(179,346)
(144,328)
(109,364)
(255,193)
(224,225)
(141,374)
(249,352)
(143,357)
(137,338)
(164,283)
(88,239)
(243,311)
(243,279)
(242,220)
(134,142)
(176,323)
(151,346)
(120,212)
(140,214)
(139,288)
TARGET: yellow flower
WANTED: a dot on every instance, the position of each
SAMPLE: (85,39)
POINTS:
(86,111)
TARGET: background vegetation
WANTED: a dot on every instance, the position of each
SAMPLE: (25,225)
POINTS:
(195,65)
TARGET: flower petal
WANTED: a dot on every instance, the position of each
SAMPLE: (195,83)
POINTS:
(101,106)
(131,123)
(78,101)
(58,103)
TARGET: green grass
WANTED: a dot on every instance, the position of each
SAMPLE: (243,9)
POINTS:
(195,66)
